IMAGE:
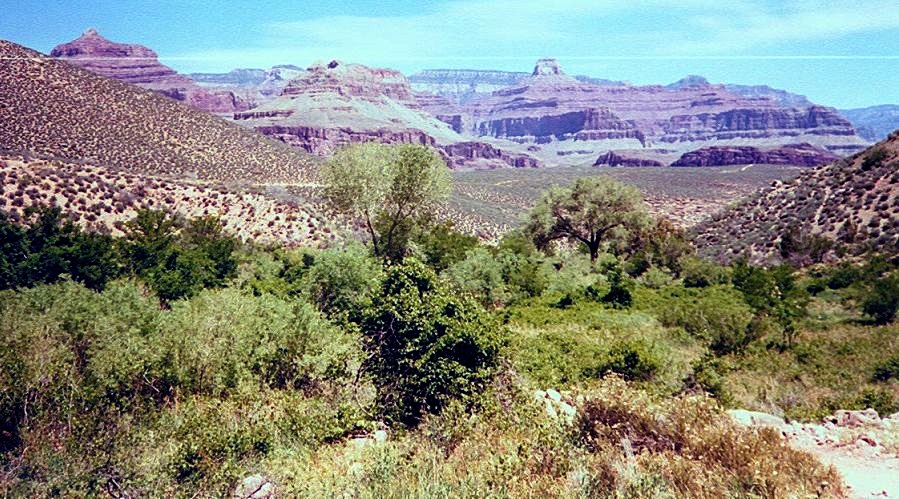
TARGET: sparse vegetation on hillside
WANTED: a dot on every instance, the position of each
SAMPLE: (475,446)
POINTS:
(50,107)
(850,205)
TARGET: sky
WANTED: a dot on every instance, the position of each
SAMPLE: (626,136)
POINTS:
(838,53)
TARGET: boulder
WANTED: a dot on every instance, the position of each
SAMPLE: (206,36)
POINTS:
(255,487)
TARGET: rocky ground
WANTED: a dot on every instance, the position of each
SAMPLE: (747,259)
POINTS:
(861,445)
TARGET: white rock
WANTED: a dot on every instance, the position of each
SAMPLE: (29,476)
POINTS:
(568,412)
(255,487)
(539,395)
(380,436)
(551,411)
(756,419)
(554,395)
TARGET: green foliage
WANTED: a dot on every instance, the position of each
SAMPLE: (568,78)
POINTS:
(425,345)
(715,314)
(658,245)
(593,211)
(443,246)
(619,295)
(52,246)
(873,158)
(178,259)
(341,281)
(497,278)
(387,189)
(700,273)
(887,370)
(843,276)
(773,293)
(800,248)
(632,360)
(882,300)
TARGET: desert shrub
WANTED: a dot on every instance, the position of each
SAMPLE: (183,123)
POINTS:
(178,258)
(656,278)
(699,273)
(425,345)
(341,280)
(52,246)
(442,245)
(843,276)
(619,295)
(716,315)
(498,278)
(773,293)
(882,300)
(632,360)
(873,158)
(887,370)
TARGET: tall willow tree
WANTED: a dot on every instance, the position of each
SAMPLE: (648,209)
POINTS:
(592,211)
(386,189)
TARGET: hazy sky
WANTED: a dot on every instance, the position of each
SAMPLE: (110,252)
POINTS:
(840,53)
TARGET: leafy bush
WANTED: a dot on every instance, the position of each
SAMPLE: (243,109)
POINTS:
(699,273)
(442,245)
(52,246)
(619,295)
(887,370)
(177,258)
(717,315)
(426,346)
(632,360)
(341,280)
(882,300)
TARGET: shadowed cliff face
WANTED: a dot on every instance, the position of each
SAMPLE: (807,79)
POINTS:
(138,65)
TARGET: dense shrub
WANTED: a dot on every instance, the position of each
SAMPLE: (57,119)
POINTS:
(716,315)
(51,246)
(887,370)
(882,300)
(178,258)
(341,280)
(425,345)
(699,273)
(442,245)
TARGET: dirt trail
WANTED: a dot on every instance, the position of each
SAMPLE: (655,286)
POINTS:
(867,476)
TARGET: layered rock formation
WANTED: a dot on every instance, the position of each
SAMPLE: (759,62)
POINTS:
(874,123)
(138,65)
(613,159)
(790,154)
(563,116)
(333,104)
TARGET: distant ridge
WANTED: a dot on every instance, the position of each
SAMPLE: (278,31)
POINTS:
(54,108)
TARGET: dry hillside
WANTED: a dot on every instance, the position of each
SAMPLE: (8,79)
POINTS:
(54,108)
(854,201)
(99,198)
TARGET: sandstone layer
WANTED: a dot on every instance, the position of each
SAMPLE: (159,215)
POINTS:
(138,65)
(790,154)
(333,104)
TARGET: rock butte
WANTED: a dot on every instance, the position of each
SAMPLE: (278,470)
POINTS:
(335,103)
(138,65)
(554,115)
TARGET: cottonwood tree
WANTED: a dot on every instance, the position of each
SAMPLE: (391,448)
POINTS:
(386,189)
(592,211)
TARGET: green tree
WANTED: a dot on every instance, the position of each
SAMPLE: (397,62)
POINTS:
(425,345)
(386,189)
(593,211)
(882,300)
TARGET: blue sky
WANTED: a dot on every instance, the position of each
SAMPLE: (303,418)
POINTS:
(844,54)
